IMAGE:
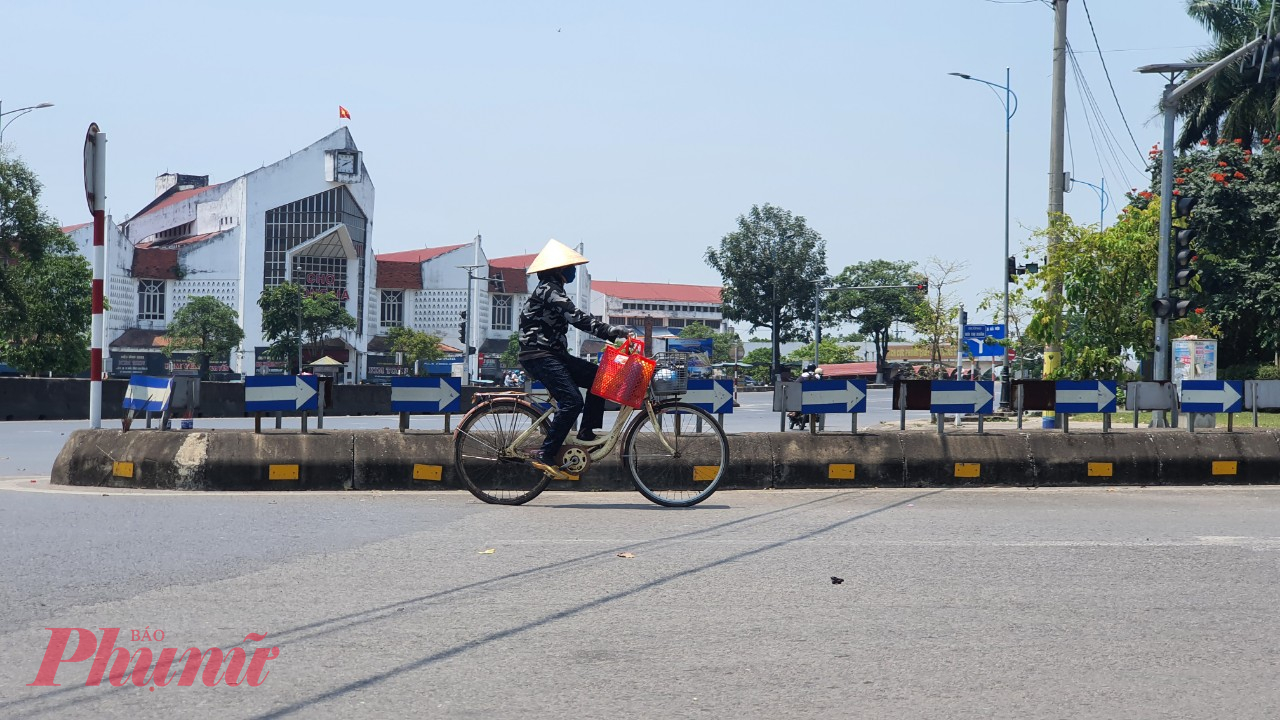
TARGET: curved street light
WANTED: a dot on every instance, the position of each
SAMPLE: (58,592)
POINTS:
(1103,198)
(1010,102)
(19,113)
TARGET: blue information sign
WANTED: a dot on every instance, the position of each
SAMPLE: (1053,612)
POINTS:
(426,394)
(833,396)
(961,396)
(281,393)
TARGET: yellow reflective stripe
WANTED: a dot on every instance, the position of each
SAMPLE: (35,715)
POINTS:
(282,472)
(841,471)
(427,472)
(1100,469)
(968,470)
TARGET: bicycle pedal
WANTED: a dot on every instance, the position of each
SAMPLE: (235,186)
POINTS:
(555,472)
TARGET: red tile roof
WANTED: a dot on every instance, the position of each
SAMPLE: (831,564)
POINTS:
(173,199)
(155,263)
(514,279)
(399,275)
(72,228)
(843,370)
(658,291)
(517,262)
(419,256)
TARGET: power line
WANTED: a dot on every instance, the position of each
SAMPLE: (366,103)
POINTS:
(1109,83)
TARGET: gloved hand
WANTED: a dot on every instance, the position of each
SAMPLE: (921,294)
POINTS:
(618,332)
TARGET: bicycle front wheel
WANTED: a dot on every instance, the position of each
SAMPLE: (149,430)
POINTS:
(677,456)
(491,467)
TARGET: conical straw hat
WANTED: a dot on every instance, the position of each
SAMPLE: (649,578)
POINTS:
(555,255)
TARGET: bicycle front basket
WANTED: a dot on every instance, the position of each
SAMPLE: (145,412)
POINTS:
(671,376)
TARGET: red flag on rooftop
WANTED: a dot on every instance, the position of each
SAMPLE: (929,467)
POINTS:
(343,114)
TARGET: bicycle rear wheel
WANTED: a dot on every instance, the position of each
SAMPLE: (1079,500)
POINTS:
(489,466)
(674,462)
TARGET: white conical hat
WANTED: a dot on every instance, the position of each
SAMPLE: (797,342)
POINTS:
(555,255)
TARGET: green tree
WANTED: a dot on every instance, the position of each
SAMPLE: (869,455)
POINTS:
(1235,296)
(876,310)
(415,344)
(290,319)
(44,282)
(768,267)
(1233,103)
(935,318)
(725,343)
(50,334)
(511,356)
(206,326)
(829,351)
(760,359)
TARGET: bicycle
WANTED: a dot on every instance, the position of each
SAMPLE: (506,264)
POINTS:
(676,452)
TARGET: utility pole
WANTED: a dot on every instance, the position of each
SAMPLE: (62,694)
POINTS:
(1057,124)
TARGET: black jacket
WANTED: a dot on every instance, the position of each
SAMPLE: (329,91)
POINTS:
(546,318)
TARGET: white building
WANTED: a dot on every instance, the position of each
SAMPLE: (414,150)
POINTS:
(666,306)
(306,219)
(426,290)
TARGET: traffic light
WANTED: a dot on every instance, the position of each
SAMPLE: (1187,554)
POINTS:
(1182,255)
(922,287)
(462,328)
(1171,308)
(1011,266)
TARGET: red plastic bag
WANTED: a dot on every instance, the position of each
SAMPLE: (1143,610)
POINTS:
(624,374)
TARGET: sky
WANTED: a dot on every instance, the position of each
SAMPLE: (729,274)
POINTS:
(642,130)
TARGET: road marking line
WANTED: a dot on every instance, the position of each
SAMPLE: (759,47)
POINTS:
(968,470)
(1224,467)
(1099,469)
(841,471)
(282,472)
(427,472)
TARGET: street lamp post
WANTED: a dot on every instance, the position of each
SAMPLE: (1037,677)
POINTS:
(1103,199)
(1010,102)
(17,114)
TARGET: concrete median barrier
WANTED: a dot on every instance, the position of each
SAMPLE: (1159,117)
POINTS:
(389,460)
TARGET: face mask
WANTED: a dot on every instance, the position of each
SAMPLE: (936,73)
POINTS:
(569,273)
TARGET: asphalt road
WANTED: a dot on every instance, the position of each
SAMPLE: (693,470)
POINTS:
(992,603)
(30,447)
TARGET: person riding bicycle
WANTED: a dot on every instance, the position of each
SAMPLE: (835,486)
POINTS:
(544,352)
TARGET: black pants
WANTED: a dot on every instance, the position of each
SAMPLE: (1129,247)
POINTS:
(563,375)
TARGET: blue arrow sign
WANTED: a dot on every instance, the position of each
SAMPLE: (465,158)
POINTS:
(961,396)
(426,394)
(281,393)
(1085,396)
(1212,396)
(714,396)
(833,396)
(148,394)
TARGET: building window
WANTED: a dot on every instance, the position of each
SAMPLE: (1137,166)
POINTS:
(393,308)
(501,312)
(290,225)
(151,300)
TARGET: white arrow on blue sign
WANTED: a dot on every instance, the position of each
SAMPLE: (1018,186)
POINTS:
(1212,396)
(1085,396)
(833,396)
(147,394)
(426,395)
(961,396)
(714,396)
(976,336)
(281,393)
